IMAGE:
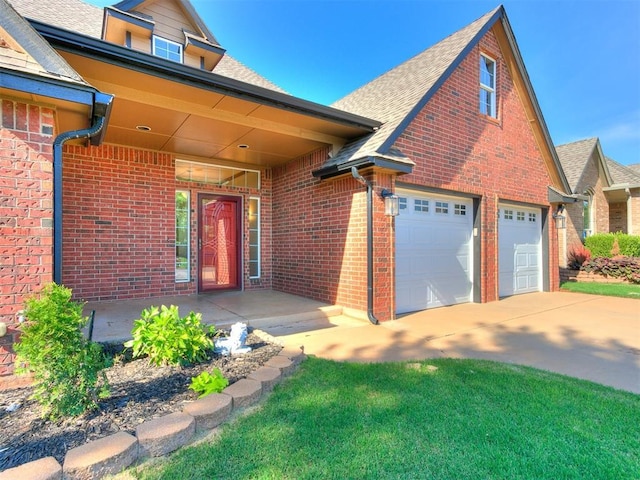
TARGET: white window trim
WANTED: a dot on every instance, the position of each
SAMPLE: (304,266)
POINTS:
(259,260)
(491,90)
(153,48)
(188,241)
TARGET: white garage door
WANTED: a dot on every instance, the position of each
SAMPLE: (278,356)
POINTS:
(520,250)
(434,251)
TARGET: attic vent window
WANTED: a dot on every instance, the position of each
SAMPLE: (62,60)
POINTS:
(487,86)
(167,49)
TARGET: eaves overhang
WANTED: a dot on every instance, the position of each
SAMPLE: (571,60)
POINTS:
(47,86)
(148,64)
(377,162)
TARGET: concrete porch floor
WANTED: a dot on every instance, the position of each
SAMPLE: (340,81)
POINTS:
(276,312)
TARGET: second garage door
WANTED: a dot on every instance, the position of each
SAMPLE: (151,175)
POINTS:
(434,251)
(520,250)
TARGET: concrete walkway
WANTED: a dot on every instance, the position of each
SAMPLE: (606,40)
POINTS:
(585,336)
(590,337)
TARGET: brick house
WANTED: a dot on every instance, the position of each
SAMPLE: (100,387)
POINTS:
(181,171)
(608,193)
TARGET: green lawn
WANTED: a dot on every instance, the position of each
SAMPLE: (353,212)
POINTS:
(611,289)
(441,419)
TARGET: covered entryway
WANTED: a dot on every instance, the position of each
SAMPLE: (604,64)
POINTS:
(519,249)
(218,242)
(434,251)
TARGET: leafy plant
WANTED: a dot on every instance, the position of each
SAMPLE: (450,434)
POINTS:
(167,339)
(67,368)
(612,244)
(207,383)
(620,267)
(577,255)
(600,245)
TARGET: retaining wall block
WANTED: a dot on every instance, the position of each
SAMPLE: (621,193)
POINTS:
(210,411)
(43,469)
(163,435)
(105,456)
(268,376)
(244,392)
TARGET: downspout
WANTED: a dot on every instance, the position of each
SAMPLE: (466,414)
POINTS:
(364,181)
(101,111)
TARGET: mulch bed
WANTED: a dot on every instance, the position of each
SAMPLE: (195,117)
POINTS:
(139,392)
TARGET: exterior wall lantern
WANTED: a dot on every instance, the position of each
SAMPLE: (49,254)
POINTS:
(560,218)
(391,203)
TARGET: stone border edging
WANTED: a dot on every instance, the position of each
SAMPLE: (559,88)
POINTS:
(157,437)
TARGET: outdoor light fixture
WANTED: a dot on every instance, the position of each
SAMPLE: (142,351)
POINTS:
(559,218)
(391,203)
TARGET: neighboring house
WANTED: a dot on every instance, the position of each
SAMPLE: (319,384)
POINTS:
(153,164)
(609,195)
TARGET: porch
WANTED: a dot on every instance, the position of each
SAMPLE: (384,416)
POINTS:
(274,312)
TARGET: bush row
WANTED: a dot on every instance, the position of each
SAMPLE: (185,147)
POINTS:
(609,245)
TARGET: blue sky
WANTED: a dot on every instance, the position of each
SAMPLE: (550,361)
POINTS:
(583,57)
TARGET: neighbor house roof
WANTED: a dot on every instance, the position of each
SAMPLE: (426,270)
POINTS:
(623,175)
(396,97)
(575,156)
(80,17)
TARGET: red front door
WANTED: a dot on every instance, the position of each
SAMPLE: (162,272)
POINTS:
(218,245)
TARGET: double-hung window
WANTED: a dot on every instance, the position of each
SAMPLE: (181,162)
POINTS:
(488,86)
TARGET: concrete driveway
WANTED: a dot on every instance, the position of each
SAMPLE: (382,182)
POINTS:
(591,337)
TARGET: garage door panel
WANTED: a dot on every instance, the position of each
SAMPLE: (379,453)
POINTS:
(519,250)
(433,252)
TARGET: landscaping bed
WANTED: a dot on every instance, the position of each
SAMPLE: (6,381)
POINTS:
(138,392)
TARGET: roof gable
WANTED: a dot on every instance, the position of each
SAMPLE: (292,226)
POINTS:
(397,96)
(23,50)
(575,158)
(168,14)
(80,17)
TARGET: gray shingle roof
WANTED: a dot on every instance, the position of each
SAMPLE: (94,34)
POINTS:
(622,174)
(396,96)
(27,52)
(574,157)
(86,19)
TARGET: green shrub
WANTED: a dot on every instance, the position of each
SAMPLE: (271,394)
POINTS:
(207,383)
(600,245)
(629,244)
(167,339)
(623,267)
(604,245)
(67,368)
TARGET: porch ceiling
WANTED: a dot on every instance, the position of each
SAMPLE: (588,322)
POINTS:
(191,121)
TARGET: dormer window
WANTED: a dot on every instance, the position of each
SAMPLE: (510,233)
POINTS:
(167,49)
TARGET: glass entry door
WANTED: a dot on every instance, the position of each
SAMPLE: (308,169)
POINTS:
(218,242)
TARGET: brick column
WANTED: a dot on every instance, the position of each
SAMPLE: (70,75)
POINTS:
(26,213)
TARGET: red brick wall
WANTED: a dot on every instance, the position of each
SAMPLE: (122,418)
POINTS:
(320,238)
(119,224)
(458,149)
(26,212)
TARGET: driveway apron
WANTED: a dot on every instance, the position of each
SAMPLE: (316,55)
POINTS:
(585,336)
